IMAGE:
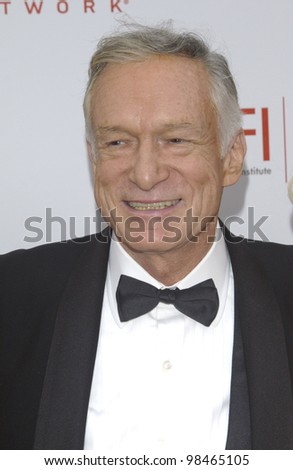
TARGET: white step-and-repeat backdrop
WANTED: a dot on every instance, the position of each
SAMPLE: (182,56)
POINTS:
(45,47)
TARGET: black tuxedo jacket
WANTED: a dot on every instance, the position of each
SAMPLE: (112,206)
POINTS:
(50,307)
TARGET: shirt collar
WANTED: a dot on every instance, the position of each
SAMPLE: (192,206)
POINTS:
(215,265)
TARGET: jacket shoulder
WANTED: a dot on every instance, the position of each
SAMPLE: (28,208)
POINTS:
(275,256)
(37,276)
(273,260)
(41,261)
(267,252)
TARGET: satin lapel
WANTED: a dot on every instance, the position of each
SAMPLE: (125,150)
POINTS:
(64,402)
(265,353)
(239,430)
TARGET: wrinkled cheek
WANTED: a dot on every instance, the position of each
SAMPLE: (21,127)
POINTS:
(206,197)
(101,193)
(106,194)
(211,198)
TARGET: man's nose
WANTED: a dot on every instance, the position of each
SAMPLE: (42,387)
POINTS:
(149,168)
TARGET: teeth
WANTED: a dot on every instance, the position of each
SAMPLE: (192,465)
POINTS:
(153,205)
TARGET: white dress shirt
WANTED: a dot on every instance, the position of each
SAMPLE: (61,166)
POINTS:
(162,381)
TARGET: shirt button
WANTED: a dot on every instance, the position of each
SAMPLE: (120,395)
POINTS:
(167,365)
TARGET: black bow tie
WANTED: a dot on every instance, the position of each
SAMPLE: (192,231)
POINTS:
(135,298)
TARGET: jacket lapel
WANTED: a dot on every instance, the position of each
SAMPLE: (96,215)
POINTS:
(239,429)
(265,354)
(63,409)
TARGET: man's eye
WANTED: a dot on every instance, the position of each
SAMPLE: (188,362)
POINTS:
(115,143)
(176,140)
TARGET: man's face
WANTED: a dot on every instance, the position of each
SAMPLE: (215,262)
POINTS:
(156,157)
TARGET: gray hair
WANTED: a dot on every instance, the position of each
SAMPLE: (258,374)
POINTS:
(139,43)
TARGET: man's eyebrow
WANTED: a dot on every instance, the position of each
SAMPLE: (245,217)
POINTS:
(178,125)
(163,126)
(104,129)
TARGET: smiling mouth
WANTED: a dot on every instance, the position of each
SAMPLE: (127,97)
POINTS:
(150,206)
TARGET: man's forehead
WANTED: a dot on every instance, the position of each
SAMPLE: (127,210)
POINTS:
(164,101)
(143,84)
(153,65)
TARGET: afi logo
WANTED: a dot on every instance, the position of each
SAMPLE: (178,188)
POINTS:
(265,129)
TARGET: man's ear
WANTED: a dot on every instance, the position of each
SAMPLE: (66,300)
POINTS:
(233,161)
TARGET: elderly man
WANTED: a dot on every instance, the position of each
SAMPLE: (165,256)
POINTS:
(171,335)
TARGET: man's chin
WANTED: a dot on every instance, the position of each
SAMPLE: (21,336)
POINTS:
(152,242)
